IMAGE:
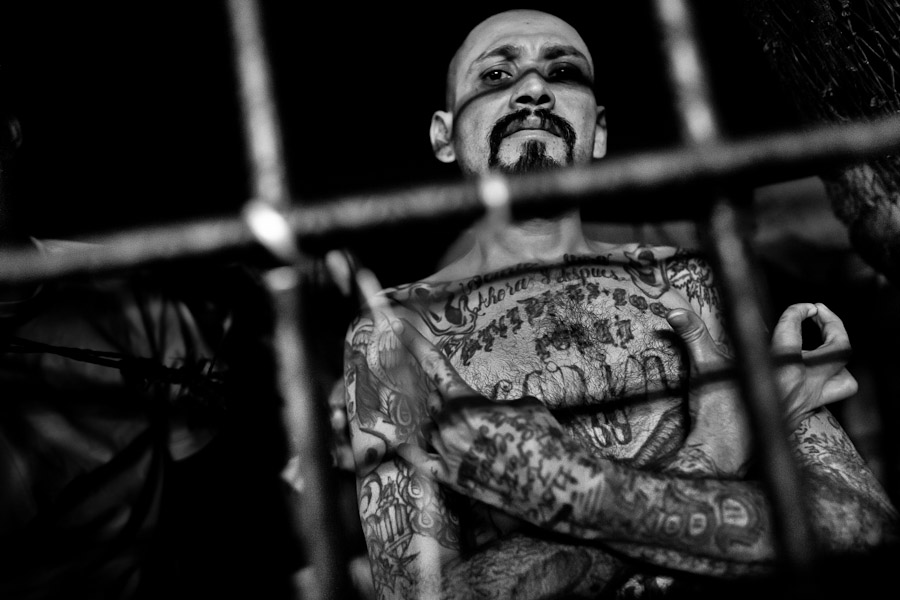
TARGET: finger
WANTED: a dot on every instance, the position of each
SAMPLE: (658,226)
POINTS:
(429,465)
(701,347)
(833,331)
(834,352)
(371,294)
(787,339)
(436,366)
(840,387)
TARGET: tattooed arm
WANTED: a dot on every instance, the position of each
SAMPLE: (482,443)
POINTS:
(408,529)
(515,456)
(409,522)
(719,442)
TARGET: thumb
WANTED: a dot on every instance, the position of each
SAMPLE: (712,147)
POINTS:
(690,327)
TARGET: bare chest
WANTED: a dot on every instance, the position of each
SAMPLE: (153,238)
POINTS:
(585,340)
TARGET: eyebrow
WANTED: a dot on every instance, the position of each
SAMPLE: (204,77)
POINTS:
(560,51)
(511,52)
(507,51)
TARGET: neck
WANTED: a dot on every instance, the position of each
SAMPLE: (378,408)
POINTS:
(501,245)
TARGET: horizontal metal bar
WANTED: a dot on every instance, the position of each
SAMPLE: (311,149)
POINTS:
(757,161)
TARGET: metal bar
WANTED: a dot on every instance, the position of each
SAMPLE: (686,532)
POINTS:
(303,414)
(759,160)
(306,421)
(262,129)
(761,395)
(736,273)
(697,118)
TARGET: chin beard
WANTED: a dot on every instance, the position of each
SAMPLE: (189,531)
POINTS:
(534,153)
(534,158)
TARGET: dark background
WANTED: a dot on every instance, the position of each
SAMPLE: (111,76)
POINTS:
(130,113)
(130,117)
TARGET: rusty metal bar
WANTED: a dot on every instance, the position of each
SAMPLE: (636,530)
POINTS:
(736,273)
(303,414)
(759,160)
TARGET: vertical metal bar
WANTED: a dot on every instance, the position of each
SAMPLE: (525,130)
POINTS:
(262,129)
(305,420)
(303,415)
(735,269)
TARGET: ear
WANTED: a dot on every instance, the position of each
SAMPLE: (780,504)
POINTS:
(442,136)
(600,133)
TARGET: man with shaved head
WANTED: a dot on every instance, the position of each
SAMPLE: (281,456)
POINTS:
(520,420)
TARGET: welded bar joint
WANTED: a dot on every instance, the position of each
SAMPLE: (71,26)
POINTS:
(303,416)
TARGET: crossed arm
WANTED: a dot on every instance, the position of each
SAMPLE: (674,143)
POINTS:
(417,546)
(515,457)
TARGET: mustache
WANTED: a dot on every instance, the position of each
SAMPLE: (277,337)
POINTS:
(549,121)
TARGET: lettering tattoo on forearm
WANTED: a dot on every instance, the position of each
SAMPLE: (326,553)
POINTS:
(696,516)
(555,483)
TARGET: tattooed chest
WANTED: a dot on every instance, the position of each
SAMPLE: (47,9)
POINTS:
(608,369)
(570,350)
(588,338)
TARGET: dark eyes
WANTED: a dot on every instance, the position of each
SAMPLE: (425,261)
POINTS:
(566,73)
(563,73)
(494,76)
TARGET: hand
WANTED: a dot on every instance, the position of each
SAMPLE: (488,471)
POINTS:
(507,454)
(809,379)
(719,442)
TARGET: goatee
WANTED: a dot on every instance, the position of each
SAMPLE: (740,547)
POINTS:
(534,153)
(534,158)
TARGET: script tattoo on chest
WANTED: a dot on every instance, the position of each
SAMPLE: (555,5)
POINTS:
(588,331)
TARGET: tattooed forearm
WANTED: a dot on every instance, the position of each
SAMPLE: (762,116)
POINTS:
(530,468)
(409,530)
(521,462)
(852,511)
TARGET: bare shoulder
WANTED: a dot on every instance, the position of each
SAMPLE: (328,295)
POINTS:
(383,384)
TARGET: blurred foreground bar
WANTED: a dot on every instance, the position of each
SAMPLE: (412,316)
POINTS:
(756,161)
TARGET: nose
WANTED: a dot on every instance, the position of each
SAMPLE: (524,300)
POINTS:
(532,91)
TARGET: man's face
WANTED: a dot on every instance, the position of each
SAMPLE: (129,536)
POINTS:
(520,98)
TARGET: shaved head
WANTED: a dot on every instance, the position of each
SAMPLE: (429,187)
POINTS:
(496,27)
(520,97)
